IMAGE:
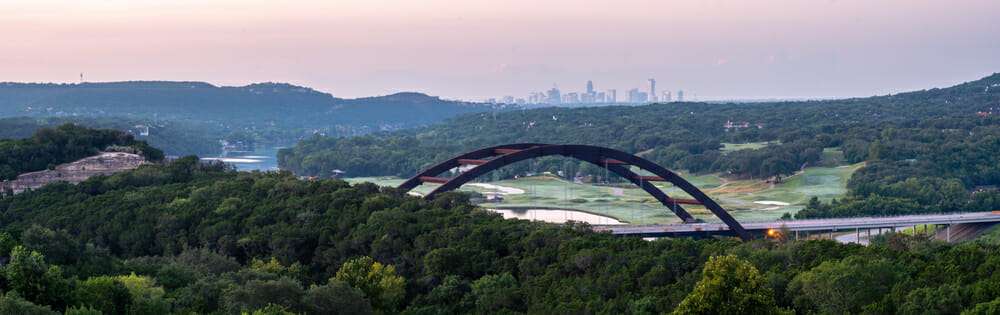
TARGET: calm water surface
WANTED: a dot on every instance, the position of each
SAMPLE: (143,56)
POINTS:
(265,159)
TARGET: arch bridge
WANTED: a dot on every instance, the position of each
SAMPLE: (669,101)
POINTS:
(485,160)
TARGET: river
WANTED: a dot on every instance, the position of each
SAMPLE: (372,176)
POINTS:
(556,216)
(264,159)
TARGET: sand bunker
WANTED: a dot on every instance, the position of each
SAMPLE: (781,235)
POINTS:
(233,160)
(503,190)
(772,203)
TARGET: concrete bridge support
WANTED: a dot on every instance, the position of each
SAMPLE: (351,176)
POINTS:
(962,231)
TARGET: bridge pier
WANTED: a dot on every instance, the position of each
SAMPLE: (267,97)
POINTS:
(948,231)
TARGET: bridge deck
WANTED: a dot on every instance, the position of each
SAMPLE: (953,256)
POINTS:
(841,224)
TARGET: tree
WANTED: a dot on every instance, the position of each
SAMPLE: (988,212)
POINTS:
(270,309)
(729,285)
(104,293)
(257,294)
(497,293)
(7,243)
(10,303)
(83,310)
(841,287)
(379,282)
(275,267)
(58,246)
(147,297)
(336,297)
(29,276)
(946,299)
(988,308)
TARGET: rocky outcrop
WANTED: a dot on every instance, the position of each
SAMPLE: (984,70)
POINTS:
(105,163)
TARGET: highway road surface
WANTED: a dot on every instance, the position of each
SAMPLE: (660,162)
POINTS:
(814,225)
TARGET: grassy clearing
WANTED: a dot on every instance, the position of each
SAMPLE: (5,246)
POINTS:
(730,147)
(921,229)
(832,157)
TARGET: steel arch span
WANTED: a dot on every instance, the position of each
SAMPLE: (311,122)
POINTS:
(485,160)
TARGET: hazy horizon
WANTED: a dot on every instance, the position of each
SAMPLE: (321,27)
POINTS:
(479,49)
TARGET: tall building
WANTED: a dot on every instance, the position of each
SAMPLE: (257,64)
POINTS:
(571,98)
(612,96)
(635,96)
(652,90)
(680,95)
(554,97)
(538,98)
(590,87)
(666,96)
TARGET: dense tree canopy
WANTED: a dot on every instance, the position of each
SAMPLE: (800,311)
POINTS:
(729,285)
(191,237)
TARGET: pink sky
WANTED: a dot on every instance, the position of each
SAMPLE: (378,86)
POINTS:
(475,49)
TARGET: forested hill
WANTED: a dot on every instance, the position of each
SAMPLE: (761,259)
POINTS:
(177,138)
(255,106)
(678,135)
(51,146)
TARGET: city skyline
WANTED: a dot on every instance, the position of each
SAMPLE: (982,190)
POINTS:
(590,95)
(473,50)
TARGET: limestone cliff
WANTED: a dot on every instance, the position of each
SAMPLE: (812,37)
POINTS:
(105,163)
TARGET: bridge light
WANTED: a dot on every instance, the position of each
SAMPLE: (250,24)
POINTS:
(772,233)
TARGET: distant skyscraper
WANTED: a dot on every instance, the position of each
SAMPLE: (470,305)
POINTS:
(590,87)
(612,96)
(680,95)
(571,98)
(652,90)
(666,96)
(537,98)
(554,97)
(635,96)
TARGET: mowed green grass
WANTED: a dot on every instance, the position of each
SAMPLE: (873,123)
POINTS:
(730,147)
(741,197)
